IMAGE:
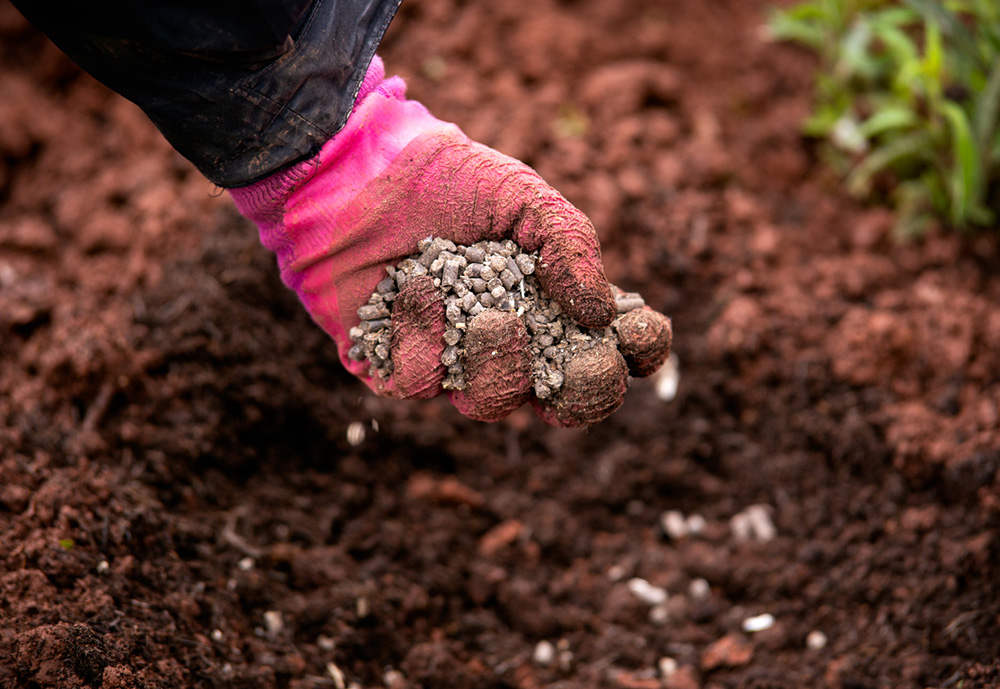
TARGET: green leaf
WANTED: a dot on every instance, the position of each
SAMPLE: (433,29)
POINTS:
(66,543)
(909,82)
(986,10)
(895,16)
(988,110)
(964,177)
(900,48)
(982,216)
(931,65)
(945,19)
(886,119)
(820,124)
(784,26)
(834,13)
(804,11)
(855,55)
(897,51)
(915,145)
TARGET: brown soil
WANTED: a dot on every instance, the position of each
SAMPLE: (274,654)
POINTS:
(180,505)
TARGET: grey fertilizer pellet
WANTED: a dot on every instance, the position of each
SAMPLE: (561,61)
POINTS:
(485,275)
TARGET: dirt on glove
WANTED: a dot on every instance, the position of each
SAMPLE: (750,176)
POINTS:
(455,315)
(498,366)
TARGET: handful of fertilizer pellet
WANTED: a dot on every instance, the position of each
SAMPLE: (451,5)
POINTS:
(473,279)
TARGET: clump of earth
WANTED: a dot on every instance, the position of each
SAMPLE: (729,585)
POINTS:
(472,279)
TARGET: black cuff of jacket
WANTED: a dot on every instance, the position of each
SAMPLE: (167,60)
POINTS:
(238,114)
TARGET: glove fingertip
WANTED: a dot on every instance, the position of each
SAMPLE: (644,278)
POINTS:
(474,408)
(644,339)
(497,367)
(592,308)
(548,414)
(575,278)
(596,380)
(417,340)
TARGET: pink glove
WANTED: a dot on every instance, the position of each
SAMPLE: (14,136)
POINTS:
(395,175)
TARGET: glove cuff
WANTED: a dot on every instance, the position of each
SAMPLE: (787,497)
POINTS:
(296,209)
(373,78)
(263,201)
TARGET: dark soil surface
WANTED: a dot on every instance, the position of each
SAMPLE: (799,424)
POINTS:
(180,505)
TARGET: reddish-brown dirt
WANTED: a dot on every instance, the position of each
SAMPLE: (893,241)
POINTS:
(180,505)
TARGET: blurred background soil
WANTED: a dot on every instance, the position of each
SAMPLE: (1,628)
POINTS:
(180,505)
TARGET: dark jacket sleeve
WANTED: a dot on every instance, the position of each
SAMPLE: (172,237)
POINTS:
(241,88)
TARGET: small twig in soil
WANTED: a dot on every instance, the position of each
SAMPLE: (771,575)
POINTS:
(229,535)
(96,410)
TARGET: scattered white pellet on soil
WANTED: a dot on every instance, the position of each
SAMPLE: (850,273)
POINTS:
(393,679)
(325,642)
(646,592)
(617,572)
(668,379)
(103,566)
(667,667)
(355,433)
(336,675)
(245,564)
(758,623)
(565,660)
(753,523)
(696,524)
(544,653)
(216,635)
(816,640)
(274,621)
(674,524)
(699,589)
(739,524)
(761,522)
(659,615)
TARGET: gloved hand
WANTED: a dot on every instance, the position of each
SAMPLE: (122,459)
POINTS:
(395,175)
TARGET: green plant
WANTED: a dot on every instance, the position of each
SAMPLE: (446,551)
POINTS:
(907,100)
